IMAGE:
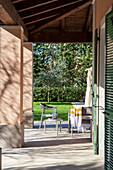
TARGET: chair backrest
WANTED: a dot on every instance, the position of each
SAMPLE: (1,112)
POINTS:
(87,110)
(45,107)
(42,106)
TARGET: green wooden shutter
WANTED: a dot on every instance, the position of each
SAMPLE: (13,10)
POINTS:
(95,93)
(109,94)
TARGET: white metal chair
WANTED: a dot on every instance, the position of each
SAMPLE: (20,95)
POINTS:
(80,119)
(45,107)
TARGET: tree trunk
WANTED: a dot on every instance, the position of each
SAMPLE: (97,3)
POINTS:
(48,96)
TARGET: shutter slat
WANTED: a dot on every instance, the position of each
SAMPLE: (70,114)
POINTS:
(109,94)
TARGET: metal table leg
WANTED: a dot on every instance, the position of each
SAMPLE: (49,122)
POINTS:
(71,131)
(60,125)
(57,127)
(91,130)
(69,125)
(45,126)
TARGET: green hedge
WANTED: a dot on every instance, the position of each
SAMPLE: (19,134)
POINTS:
(56,94)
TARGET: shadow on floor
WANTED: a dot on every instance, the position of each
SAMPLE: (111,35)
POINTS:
(56,142)
(90,166)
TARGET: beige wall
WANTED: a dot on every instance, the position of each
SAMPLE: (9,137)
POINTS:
(11,75)
(28,78)
(102,7)
(102,87)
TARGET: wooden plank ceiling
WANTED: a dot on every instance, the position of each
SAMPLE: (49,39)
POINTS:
(56,20)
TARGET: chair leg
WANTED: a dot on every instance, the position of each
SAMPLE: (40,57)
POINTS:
(57,127)
(71,131)
(69,125)
(78,129)
(41,121)
(45,126)
(82,129)
(60,125)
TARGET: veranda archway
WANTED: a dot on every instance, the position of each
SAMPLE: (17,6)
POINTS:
(32,21)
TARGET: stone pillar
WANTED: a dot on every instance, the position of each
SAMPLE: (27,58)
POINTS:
(11,87)
(28,85)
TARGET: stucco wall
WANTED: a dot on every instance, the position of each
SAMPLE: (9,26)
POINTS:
(102,88)
(28,78)
(102,7)
(28,86)
(11,75)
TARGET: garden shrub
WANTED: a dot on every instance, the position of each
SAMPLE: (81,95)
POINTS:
(67,94)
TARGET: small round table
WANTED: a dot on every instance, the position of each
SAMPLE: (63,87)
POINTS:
(55,120)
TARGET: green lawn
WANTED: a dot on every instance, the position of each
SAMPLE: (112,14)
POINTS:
(62,109)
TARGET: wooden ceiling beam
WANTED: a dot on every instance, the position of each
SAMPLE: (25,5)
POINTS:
(42,16)
(17,1)
(64,13)
(23,6)
(40,23)
(38,19)
(9,15)
(47,8)
(61,37)
(63,25)
(89,19)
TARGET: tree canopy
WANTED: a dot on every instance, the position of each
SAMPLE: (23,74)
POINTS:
(61,65)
